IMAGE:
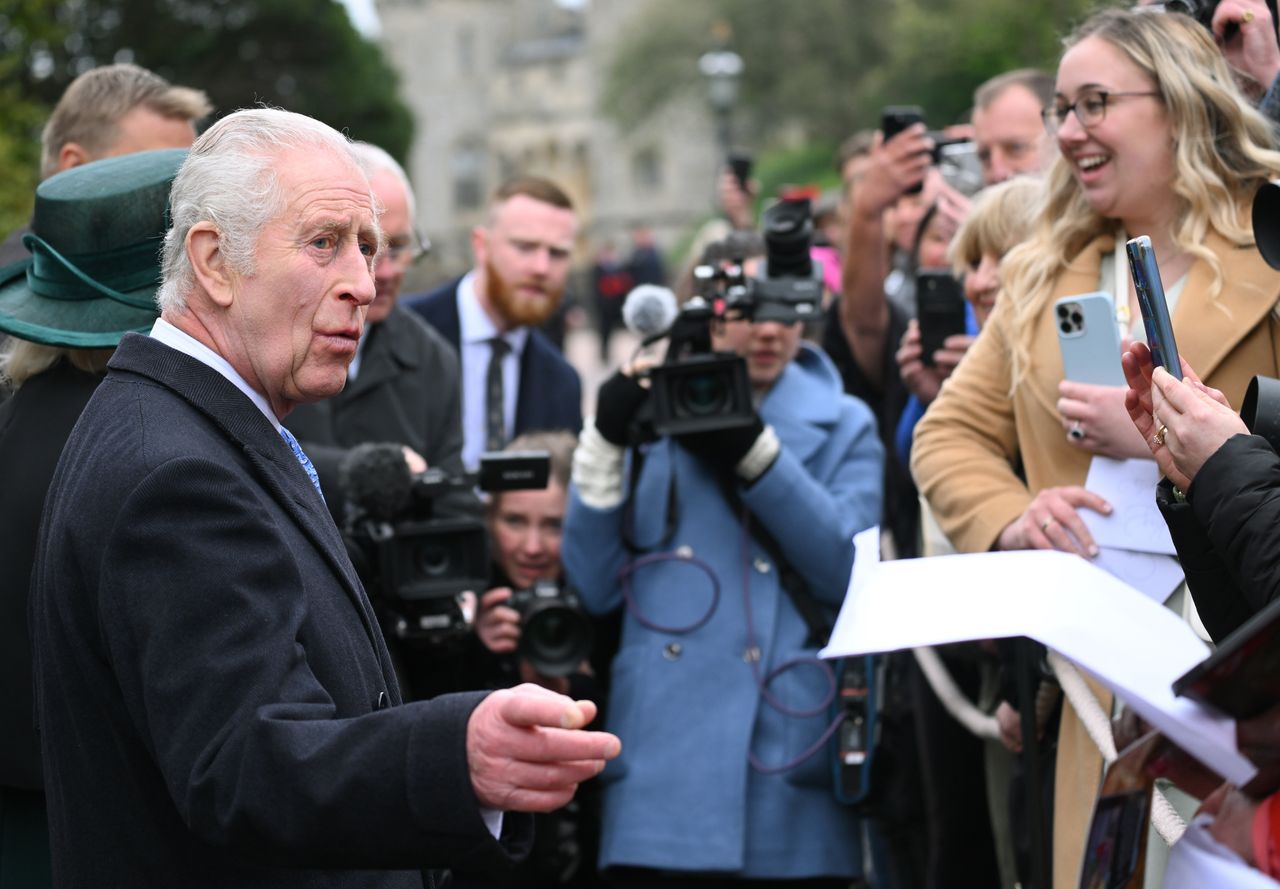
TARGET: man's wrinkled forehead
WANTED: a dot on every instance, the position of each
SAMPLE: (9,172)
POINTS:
(331,194)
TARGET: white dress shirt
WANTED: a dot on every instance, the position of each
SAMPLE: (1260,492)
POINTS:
(475,335)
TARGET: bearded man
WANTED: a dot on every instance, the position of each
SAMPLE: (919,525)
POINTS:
(513,379)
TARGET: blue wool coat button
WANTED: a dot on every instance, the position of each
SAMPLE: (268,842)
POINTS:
(672,651)
(684,552)
(762,565)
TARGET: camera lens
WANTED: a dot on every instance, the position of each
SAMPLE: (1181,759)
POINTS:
(434,561)
(555,639)
(702,395)
(1066,327)
(788,234)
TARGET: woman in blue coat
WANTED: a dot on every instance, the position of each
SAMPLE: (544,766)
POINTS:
(712,781)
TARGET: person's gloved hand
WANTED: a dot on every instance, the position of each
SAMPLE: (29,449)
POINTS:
(619,399)
(724,447)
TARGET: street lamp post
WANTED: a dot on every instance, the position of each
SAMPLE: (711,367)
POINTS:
(722,68)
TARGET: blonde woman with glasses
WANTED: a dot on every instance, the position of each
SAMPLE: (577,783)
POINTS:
(1154,139)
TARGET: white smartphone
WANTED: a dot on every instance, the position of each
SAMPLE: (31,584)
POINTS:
(1089,339)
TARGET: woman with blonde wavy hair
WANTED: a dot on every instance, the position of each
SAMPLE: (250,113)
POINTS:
(1156,140)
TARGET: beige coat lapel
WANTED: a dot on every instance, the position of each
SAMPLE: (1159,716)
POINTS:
(1209,328)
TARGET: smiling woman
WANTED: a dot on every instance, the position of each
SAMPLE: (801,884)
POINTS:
(1154,139)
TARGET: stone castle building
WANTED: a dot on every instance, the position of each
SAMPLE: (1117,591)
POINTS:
(501,87)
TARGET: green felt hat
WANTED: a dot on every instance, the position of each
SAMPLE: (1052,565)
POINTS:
(95,242)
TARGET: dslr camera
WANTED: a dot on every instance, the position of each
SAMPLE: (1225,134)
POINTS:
(555,634)
(699,390)
(416,565)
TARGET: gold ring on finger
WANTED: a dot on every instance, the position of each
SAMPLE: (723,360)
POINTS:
(1158,438)
(1047,524)
(1246,16)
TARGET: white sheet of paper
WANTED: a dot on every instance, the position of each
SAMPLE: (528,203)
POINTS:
(1133,645)
(1197,861)
(1155,576)
(1135,522)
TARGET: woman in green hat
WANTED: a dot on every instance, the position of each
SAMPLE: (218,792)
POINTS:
(95,242)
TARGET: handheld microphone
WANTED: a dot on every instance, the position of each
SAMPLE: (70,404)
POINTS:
(649,311)
(375,477)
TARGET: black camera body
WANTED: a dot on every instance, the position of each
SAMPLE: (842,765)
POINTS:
(415,565)
(697,389)
(555,634)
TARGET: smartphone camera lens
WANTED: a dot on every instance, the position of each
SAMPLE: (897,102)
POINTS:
(1066,328)
(1062,312)
(1077,319)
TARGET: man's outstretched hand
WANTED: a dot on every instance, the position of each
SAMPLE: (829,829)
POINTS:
(527,750)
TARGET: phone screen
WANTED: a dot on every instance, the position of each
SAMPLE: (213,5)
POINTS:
(940,310)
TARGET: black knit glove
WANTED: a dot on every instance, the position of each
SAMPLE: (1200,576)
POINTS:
(724,447)
(619,399)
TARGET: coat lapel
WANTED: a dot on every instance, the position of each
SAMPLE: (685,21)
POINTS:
(273,462)
(1210,328)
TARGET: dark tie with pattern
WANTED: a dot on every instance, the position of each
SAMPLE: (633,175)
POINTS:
(495,427)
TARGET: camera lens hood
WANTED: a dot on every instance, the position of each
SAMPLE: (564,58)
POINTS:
(1261,409)
(1266,222)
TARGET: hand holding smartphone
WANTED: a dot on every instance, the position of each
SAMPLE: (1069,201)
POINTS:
(940,310)
(1152,304)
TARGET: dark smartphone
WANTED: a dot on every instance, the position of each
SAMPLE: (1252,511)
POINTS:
(896,118)
(939,310)
(1154,308)
(740,165)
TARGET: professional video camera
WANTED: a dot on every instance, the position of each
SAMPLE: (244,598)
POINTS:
(697,389)
(417,566)
(1202,11)
(555,635)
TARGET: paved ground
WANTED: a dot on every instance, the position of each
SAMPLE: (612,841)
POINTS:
(582,348)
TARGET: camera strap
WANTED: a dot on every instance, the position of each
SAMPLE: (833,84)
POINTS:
(815,616)
(629,508)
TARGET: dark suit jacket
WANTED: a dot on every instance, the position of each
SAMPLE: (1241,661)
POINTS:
(215,699)
(34,425)
(407,393)
(550,393)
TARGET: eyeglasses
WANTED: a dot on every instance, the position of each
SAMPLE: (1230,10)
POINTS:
(408,249)
(1090,108)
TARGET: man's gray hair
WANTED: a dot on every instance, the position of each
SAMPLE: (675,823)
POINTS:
(373,159)
(230,179)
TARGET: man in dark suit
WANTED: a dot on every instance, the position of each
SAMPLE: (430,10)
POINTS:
(403,385)
(216,703)
(513,379)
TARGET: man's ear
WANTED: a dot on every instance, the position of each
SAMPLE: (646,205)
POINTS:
(72,154)
(209,264)
(480,245)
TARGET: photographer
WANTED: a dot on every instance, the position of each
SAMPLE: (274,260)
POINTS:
(524,529)
(525,532)
(724,713)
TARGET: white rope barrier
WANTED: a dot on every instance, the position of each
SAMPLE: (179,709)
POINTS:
(1164,818)
(952,698)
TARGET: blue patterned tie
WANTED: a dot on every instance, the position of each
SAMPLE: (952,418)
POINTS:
(302,458)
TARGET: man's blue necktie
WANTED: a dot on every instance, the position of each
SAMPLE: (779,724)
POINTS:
(302,458)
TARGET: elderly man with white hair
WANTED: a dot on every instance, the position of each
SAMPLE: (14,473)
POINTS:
(402,386)
(216,703)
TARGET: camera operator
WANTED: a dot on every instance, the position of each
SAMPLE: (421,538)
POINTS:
(525,530)
(724,712)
